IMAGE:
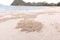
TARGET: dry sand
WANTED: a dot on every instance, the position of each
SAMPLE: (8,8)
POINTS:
(49,17)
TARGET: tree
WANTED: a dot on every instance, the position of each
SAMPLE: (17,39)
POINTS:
(28,4)
(52,4)
(21,2)
(18,2)
(58,4)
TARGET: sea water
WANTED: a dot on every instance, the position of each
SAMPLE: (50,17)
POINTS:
(20,7)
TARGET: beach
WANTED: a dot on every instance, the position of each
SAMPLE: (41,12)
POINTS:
(49,17)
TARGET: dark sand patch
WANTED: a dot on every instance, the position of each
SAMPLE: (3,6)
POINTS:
(29,25)
(57,27)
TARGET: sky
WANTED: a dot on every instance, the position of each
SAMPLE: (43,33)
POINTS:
(49,1)
(8,2)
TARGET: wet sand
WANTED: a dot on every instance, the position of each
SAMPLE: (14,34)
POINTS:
(49,17)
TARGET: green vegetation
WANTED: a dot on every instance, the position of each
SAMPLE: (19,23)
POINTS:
(58,4)
(18,2)
(21,2)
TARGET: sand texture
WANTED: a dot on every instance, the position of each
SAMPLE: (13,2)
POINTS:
(36,24)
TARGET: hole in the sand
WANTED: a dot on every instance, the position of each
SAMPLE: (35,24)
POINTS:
(29,25)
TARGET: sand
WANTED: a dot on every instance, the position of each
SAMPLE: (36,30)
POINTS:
(28,25)
(49,17)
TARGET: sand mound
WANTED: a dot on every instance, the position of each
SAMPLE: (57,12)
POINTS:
(29,25)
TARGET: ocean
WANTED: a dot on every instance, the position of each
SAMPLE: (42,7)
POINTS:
(20,7)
